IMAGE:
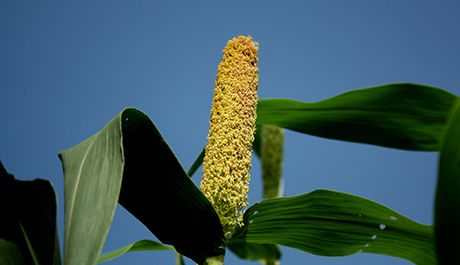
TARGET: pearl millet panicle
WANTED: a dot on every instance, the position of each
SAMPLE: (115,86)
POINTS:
(228,153)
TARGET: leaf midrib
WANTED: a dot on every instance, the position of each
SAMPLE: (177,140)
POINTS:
(77,185)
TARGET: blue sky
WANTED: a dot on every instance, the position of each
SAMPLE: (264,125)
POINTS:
(67,68)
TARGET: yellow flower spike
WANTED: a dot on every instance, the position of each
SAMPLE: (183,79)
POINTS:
(228,153)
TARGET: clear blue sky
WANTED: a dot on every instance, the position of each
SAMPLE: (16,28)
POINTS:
(66,69)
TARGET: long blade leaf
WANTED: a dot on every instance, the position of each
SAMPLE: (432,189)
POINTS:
(447,204)
(93,173)
(141,245)
(404,116)
(330,223)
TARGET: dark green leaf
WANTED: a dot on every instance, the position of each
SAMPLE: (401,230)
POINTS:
(404,116)
(257,252)
(159,193)
(256,146)
(447,205)
(155,189)
(331,223)
(198,162)
(29,219)
(10,253)
(141,245)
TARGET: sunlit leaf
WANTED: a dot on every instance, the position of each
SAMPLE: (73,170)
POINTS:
(93,173)
(330,223)
(404,116)
(141,245)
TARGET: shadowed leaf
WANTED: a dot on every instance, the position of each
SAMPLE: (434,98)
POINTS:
(256,146)
(28,221)
(447,205)
(10,253)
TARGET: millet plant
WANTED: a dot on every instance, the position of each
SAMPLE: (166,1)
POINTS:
(128,162)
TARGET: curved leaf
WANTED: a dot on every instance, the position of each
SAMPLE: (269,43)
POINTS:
(404,116)
(141,245)
(93,173)
(331,223)
(447,204)
(157,190)
(130,153)
(29,219)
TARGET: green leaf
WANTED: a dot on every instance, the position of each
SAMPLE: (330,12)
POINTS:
(179,259)
(130,152)
(10,253)
(29,245)
(198,162)
(141,245)
(93,173)
(256,145)
(447,203)
(258,252)
(404,116)
(28,220)
(191,171)
(331,223)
